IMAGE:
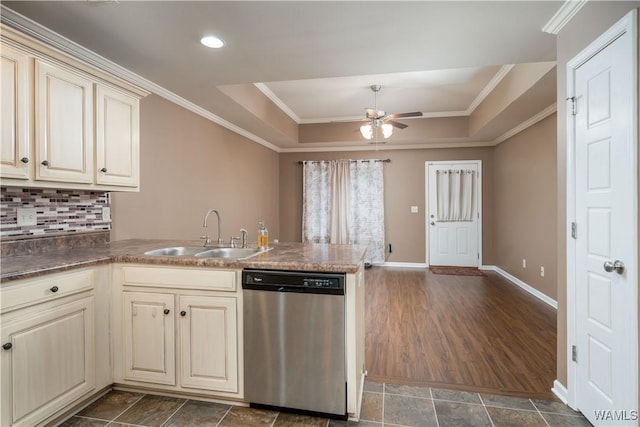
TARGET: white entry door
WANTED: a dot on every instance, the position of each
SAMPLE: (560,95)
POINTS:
(606,383)
(453,213)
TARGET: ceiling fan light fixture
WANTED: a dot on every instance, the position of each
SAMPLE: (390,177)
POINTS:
(367,131)
(387,130)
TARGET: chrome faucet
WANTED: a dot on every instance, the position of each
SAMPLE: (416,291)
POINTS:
(245,237)
(208,240)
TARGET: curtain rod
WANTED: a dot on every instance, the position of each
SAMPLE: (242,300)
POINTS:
(365,160)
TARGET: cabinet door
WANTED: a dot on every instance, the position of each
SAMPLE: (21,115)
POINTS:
(49,362)
(15,158)
(149,344)
(64,125)
(209,343)
(117,138)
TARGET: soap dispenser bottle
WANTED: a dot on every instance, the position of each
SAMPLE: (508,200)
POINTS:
(263,236)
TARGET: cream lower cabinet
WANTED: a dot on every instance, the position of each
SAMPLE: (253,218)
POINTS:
(49,343)
(180,330)
(148,344)
(208,342)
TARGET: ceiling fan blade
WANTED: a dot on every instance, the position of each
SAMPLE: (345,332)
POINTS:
(396,124)
(401,115)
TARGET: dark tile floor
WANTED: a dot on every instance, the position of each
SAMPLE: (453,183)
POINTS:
(382,405)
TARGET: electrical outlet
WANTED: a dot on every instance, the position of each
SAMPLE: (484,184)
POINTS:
(524,263)
(414,209)
(26,217)
(106,213)
(542,271)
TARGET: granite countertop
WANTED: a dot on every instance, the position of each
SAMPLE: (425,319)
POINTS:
(282,256)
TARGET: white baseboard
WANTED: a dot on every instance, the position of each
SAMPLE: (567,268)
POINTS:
(533,291)
(403,264)
(560,391)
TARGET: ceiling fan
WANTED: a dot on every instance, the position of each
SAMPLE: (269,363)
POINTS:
(380,121)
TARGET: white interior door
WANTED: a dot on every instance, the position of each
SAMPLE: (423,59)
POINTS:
(605,210)
(452,242)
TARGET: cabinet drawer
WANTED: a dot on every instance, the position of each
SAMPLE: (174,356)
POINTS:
(221,280)
(52,286)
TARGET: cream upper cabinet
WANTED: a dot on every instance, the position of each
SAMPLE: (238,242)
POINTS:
(15,154)
(209,342)
(117,137)
(64,125)
(148,337)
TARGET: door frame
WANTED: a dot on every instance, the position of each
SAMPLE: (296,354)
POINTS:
(629,23)
(478,163)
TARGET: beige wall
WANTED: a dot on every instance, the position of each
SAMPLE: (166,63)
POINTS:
(592,20)
(189,165)
(524,183)
(404,187)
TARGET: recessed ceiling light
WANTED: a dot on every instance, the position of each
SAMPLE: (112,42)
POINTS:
(212,42)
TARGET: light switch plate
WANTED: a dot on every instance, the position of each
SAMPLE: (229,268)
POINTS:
(414,209)
(26,217)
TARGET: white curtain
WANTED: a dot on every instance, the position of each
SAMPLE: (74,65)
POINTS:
(343,202)
(455,194)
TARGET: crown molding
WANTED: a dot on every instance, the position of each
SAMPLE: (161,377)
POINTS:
(386,147)
(262,87)
(562,17)
(497,78)
(526,124)
(45,35)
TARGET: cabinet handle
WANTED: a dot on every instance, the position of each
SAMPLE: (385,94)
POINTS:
(167,311)
(7,346)
(103,170)
(24,160)
(54,289)
(183,313)
(45,163)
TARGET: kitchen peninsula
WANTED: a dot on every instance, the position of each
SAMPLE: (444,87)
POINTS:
(111,316)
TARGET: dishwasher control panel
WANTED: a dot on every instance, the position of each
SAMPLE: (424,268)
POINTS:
(292,281)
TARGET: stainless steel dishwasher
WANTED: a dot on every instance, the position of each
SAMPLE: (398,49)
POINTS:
(294,341)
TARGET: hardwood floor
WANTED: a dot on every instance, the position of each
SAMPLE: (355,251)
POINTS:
(479,334)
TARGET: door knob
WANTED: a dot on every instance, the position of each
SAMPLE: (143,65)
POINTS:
(433,223)
(617,266)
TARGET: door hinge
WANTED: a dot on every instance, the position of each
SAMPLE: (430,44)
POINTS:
(574,353)
(574,230)
(574,109)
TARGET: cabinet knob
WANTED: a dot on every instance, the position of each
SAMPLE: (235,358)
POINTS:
(167,311)
(54,289)
(7,346)
(24,160)
(183,313)
(103,170)
(45,163)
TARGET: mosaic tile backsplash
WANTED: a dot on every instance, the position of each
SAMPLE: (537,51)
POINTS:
(57,211)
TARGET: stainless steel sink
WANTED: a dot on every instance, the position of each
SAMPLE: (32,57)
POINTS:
(175,251)
(229,253)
